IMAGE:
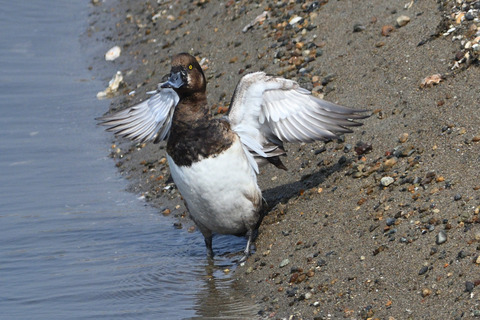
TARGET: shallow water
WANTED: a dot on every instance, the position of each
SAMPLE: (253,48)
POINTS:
(74,244)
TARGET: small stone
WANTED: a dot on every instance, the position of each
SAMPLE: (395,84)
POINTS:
(391,221)
(459,18)
(301,277)
(291,292)
(423,270)
(403,137)
(363,147)
(358,27)
(426,292)
(457,197)
(387,29)
(441,237)
(403,20)
(461,255)
(284,263)
(477,261)
(386,181)
(390,162)
(249,270)
(295,20)
(469,16)
(469,286)
(308,295)
(321,263)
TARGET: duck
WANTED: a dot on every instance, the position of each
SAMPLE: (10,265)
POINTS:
(214,161)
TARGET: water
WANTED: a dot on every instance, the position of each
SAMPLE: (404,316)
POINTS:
(73,243)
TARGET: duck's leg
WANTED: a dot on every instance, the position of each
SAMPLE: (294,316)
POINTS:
(208,244)
(250,238)
(207,236)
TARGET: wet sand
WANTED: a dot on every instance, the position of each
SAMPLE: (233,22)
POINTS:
(382,223)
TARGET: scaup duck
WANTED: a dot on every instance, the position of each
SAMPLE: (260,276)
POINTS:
(214,162)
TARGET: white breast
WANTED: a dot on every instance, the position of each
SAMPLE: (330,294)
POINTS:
(221,192)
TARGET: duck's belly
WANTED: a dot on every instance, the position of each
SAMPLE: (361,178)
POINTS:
(221,193)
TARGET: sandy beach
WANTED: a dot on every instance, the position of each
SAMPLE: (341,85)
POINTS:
(382,223)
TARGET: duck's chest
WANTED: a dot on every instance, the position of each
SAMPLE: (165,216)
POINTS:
(190,142)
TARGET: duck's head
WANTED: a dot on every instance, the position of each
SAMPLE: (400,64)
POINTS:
(186,76)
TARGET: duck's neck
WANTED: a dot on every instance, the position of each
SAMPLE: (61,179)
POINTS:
(191,109)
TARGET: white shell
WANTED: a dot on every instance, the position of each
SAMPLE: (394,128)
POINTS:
(113,53)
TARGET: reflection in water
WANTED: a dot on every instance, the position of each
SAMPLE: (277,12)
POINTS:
(179,283)
(217,300)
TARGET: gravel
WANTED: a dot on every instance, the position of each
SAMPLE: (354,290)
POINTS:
(332,203)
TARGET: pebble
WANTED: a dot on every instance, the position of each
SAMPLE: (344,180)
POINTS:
(291,292)
(469,286)
(457,197)
(469,16)
(426,292)
(321,263)
(387,29)
(308,295)
(295,20)
(358,27)
(461,255)
(403,20)
(284,263)
(441,237)
(391,221)
(423,270)
(390,162)
(403,137)
(386,181)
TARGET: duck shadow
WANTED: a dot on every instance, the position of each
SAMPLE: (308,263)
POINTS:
(283,193)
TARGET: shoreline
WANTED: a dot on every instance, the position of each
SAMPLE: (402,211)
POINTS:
(352,233)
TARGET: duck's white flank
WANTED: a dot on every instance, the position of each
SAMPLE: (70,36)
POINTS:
(221,192)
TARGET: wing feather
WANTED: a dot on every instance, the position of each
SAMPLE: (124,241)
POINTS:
(269,109)
(148,120)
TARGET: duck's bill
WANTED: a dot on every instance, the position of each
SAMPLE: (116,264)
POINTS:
(175,81)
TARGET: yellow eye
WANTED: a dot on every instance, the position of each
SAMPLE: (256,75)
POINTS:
(190,67)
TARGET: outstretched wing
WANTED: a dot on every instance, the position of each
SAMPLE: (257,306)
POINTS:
(148,120)
(267,111)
